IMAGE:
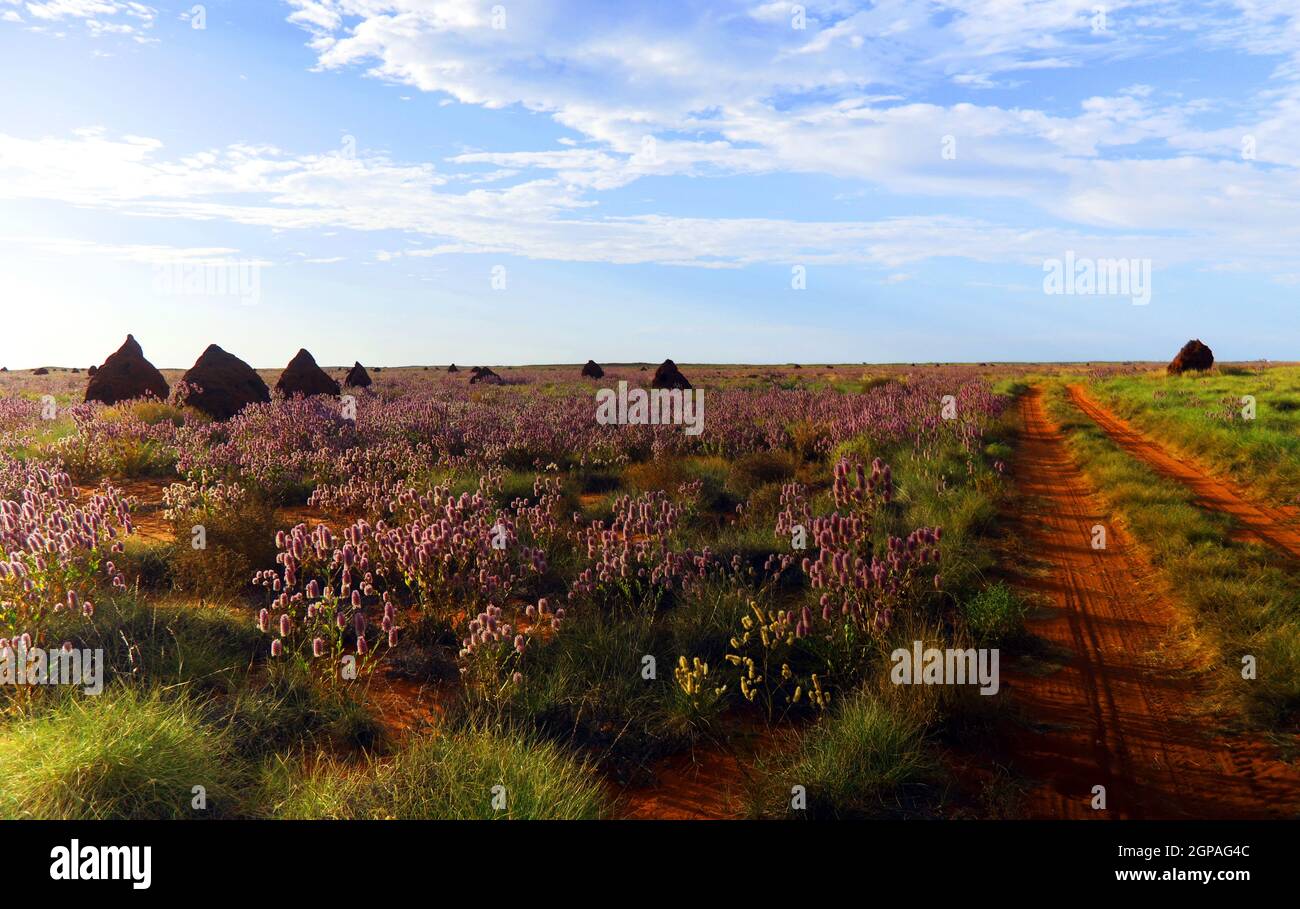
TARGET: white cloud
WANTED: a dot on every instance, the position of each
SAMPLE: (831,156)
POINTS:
(739,91)
(670,90)
(99,17)
(137,253)
(545,219)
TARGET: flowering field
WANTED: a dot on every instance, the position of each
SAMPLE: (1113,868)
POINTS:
(433,598)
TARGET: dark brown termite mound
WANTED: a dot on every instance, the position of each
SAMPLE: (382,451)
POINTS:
(221,385)
(669,376)
(1193,356)
(126,375)
(303,377)
(357,377)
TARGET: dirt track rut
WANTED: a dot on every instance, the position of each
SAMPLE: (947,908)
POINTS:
(1277,526)
(1117,714)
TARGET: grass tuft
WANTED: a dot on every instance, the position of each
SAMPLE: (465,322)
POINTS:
(868,759)
(122,755)
(446,777)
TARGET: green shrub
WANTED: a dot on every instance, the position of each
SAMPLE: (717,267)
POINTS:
(169,643)
(147,563)
(999,451)
(759,468)
(995,614)
(240,540)
(287,712)
(587,689)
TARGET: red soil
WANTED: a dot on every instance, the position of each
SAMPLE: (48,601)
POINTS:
(405,708)
(144,496)
(701,785)
(706,783)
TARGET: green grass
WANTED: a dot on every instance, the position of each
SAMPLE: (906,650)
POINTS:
(167,643)
(995,614)
(122,755)
(869,758)
(217,658)
(958,492)
(1182,413)
(1243,599)
(445,777)
(586,689)
(288,712)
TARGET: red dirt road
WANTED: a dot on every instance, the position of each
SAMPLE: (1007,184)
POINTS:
(1279,527)
(1117,714)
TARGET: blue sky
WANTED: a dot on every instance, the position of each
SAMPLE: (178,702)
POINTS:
(643,180)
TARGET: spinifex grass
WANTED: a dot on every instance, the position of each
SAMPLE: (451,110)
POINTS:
(869,758)
(469,775)
(125,754)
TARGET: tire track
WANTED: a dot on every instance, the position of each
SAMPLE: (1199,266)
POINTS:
(1116,714)
(1279,527)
